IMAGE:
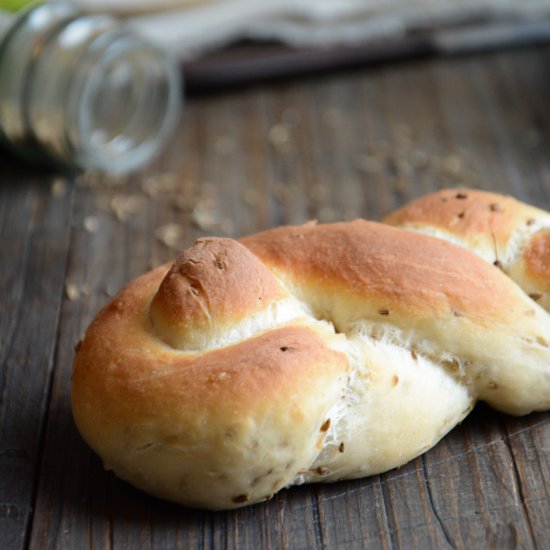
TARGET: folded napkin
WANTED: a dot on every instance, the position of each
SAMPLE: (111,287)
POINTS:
(191,27)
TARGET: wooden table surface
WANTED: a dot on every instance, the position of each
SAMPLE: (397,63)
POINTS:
(332,146)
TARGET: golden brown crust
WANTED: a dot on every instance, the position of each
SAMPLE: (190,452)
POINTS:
(278,359)
(215,283)
(220,399)
(498,228)
(537,259)
(132,392)
(392,269)
(468,213)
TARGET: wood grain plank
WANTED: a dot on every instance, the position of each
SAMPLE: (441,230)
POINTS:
(71,482)
(330,147)
(529,126)
(35,244)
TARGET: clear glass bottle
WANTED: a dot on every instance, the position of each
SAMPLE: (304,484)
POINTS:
(84,90)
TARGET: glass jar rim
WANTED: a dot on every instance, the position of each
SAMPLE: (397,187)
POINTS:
(89,84)
(58,58)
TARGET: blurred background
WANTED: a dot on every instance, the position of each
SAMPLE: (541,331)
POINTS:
(287,111)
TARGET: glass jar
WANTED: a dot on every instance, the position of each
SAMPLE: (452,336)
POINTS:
(84,90)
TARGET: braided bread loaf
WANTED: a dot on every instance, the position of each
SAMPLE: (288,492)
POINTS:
(301,354)
(510,234)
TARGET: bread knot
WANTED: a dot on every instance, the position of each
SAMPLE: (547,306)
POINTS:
(210,291)
(308,353)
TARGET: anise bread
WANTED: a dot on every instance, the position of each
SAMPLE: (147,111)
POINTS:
(301,354)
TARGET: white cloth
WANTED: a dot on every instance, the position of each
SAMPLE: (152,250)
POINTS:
(191,27)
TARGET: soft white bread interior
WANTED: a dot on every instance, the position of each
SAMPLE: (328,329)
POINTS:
(308,353)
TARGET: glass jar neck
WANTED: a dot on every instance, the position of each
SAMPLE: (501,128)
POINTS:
(86,90)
